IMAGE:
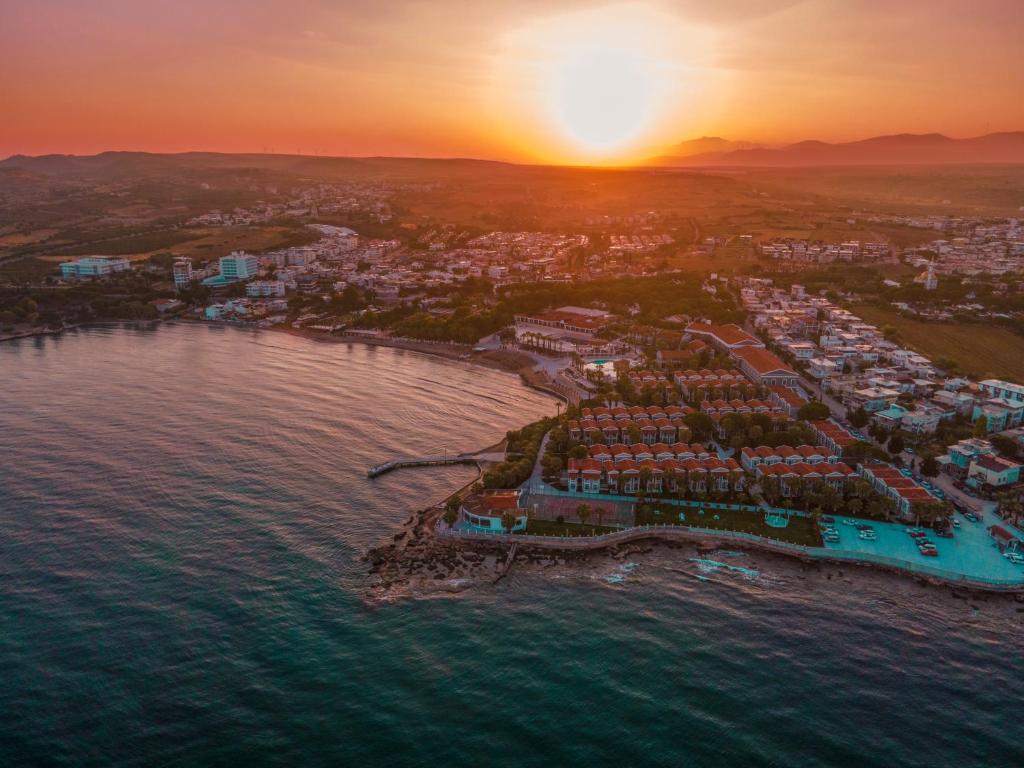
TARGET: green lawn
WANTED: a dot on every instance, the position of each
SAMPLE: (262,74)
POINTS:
(984,351)
(801,530)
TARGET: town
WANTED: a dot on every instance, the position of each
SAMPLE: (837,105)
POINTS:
(744,396)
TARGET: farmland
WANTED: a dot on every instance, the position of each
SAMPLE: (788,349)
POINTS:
(981,350)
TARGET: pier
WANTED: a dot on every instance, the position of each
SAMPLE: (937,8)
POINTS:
(433,461)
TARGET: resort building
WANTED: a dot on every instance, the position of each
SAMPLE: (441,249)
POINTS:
(93,266)
(752,458)
(795,479)
(238,266)
(831,435)
(889,481)
(570,319)
(764,367)
(625,476)
(725,337)
(483,512)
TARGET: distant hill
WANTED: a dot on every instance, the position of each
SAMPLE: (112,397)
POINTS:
(900,149)
(703,146)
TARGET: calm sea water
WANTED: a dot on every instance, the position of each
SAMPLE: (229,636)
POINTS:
(182,512)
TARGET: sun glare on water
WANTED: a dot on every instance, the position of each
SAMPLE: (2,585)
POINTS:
(594,86)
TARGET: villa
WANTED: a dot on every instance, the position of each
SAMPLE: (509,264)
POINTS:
(484,512)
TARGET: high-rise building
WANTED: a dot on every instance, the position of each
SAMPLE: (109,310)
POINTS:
(182,273)
(238,266)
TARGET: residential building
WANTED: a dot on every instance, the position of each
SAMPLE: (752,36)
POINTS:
(265,289)
(182,271)
(992,471)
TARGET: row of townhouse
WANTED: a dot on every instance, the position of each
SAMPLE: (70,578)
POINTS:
(889,481)
(643,452)
(833,436)
(796,479)
(649,431)
(764,455)
(621,412)
(593,476)
(738,406)
(699,385)
(787,400)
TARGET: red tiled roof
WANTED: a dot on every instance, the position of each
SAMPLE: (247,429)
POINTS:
(763,361)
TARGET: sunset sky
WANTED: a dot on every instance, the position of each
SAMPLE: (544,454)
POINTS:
(530,80)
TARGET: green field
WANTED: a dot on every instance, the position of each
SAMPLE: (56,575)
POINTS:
(984,351)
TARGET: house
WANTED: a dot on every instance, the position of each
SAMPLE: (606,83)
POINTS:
(1002,389)
(890,418)
(959,457)
(1004,540)
(823,367)
(923,420)
(992,471)
(483,512)
(999,413)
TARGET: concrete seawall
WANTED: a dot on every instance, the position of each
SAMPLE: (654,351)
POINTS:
(737,540)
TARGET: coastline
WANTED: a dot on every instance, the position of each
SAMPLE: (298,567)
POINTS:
(417,549)
(508,361)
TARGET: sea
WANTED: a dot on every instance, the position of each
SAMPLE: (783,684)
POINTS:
(183,515)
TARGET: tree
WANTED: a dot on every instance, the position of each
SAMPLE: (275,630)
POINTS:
(981,427)
(896,445)
(508,520)
(451,511)
(858,418)
(578,452)
(929,467)
(583,512)
(813,411)
(1006,446)
(551,465)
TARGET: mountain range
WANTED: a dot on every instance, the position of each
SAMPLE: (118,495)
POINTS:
(899,149)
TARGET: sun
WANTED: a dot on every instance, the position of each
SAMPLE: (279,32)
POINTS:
(595,85)
(604,96)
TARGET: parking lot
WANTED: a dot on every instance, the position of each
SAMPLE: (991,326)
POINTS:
(971,552)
